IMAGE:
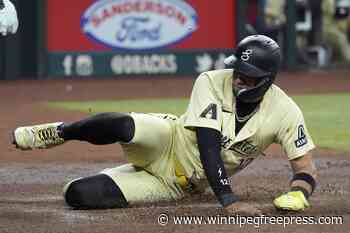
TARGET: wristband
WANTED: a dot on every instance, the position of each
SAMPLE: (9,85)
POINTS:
(306,178)
(227,199)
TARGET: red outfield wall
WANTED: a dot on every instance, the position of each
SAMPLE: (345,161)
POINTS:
(216,26)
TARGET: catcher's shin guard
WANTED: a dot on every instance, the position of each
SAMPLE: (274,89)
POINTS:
(94,192)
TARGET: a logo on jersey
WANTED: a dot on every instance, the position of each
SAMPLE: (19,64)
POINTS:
(245,148)
(210,112)
(246,54)
(302,140)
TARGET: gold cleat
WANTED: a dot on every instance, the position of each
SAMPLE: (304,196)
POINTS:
(37,136)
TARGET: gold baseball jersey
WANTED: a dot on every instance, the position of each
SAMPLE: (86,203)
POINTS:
(163,154)
(212,105)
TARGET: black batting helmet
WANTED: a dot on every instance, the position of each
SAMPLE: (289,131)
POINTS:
(256,56)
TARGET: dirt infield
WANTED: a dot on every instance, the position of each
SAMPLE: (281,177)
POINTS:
(31,182)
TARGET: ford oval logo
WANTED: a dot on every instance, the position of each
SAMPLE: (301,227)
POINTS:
(139,24)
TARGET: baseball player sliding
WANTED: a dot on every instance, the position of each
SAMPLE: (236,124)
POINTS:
(8,18)
(232,117)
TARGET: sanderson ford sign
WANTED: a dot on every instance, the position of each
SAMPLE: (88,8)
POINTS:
(139,24)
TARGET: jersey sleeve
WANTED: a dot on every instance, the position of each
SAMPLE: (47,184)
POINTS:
(294,136)
(204,109)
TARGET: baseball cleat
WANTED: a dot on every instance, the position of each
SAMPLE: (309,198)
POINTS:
(37,136)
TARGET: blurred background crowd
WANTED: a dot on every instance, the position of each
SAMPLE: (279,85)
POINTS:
(322,28)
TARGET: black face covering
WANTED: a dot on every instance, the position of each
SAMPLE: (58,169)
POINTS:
(244,109)
(256,93)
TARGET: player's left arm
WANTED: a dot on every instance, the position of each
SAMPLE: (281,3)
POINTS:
(305,174)
(297,144)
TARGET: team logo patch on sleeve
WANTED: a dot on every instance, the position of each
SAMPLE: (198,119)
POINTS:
(302,140)
(210,112)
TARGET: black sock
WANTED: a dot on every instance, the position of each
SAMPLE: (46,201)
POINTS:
(100,129)
(95,192)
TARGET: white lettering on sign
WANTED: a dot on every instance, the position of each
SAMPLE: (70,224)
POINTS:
(148,64)
(139,24)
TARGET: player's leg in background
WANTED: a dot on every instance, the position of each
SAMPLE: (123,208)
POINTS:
(103,128)
(117,188)
(94,192)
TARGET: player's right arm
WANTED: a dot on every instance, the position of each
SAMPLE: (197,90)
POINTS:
(8,18)
(297,144)
(209,148)
(204,115)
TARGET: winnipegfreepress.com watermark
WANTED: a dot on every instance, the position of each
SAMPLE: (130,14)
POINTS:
(257,221)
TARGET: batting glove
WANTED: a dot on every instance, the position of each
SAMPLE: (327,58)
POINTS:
(292,201)
(8,18)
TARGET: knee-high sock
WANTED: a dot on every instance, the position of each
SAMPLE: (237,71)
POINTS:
(100,129)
